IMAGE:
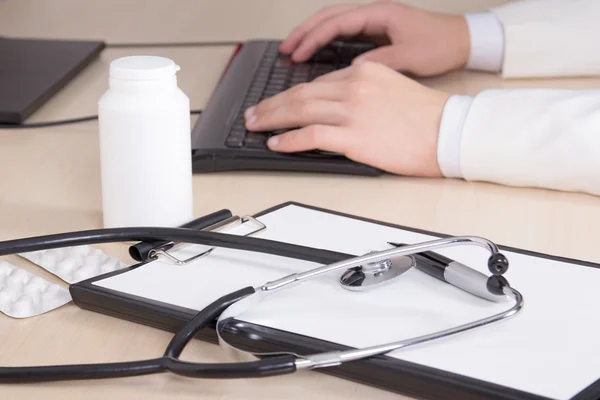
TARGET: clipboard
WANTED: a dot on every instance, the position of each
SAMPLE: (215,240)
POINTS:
(402,376)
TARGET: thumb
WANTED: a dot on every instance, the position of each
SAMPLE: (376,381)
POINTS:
(390,56)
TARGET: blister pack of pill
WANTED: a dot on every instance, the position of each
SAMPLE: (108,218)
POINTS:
(25,295)
(74,264)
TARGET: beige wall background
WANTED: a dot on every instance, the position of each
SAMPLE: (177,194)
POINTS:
(116,21)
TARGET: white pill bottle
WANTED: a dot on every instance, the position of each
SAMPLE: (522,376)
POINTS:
(145,145)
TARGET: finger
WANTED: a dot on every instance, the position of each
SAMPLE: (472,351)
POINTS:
(369,20)
(298,114)
(322,137)
(391,56)
(292,41)
(303,92)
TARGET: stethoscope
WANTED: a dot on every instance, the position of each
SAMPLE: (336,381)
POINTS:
(357,273)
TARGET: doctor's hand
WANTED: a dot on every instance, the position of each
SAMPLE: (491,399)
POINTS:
(367,112)
(416,41)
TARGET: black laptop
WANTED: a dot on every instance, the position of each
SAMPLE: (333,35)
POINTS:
(220,141)
(32,71)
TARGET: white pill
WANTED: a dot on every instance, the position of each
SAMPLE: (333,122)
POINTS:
(91,260)
(21,274)
(15,290)
(5,299)
(23,307)
(66,267)
(79,251)
(18,275)
(36,284)
(50,293)
(83,273)
(5,267)
(36,298)
(49,259)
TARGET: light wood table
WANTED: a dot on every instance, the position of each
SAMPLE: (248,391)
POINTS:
(50,182)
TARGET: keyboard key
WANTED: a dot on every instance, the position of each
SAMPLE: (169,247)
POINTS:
(301,73)
(237,134)
(320,70)
(255,141)
(299,68)
(280,82)
(252,145)
(234,142)
(299,78)
(283,63)
(268,93)
(362,47)
(253,95)
(326,55)
(260,80)
(256,136)
(275,85)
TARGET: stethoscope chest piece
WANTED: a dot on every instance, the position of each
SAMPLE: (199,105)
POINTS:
(372,275)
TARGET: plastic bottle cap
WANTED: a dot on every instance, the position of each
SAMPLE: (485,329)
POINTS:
(142,68)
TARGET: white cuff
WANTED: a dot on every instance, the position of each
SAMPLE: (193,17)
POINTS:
(450,134)
(487,42)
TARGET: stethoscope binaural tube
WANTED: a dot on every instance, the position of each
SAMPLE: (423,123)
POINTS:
(496,284)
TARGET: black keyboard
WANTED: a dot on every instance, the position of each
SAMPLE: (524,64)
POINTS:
(277,73)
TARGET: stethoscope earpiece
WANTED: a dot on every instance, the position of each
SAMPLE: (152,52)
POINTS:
(498,264)
(496,285)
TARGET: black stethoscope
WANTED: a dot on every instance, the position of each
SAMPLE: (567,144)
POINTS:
(360,272)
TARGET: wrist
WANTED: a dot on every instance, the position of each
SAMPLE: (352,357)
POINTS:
(438,104)
(459,39)
(452,122)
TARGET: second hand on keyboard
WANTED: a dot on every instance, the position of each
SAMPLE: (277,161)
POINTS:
(278,73)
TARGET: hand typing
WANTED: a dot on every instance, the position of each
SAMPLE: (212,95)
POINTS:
(368,112)
(416,41)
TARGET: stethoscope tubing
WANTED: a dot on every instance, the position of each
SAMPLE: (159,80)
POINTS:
(169,362)
(182,235)
(275,365)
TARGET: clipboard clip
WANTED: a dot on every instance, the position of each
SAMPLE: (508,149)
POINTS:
(163,250)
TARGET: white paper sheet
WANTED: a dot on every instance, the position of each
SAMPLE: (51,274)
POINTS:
(550,349)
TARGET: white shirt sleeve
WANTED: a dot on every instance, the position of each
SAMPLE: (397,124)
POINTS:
(551,139)
(487,53)
(449,137)
(546,138)
(487,42)
(549,38)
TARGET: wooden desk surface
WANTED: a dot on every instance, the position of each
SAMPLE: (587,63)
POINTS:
(50,183)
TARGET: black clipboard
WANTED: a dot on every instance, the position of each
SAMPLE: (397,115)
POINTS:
(383,372)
